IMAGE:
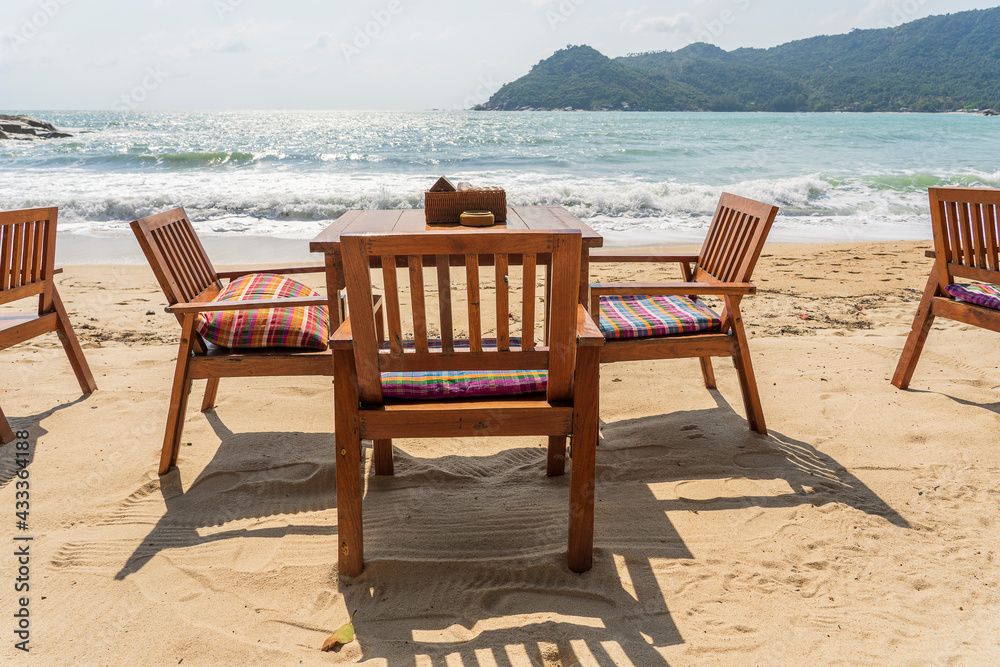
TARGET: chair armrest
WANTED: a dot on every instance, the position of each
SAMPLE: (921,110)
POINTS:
(218,306)
(624,258)
(587,332)
(671,289)
(343,337)
(930,253)
(283,271)
(56,272)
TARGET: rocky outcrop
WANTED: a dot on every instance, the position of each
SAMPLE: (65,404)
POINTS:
(27,128)
(991,112)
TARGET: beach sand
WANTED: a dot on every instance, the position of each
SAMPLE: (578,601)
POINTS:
(865,529)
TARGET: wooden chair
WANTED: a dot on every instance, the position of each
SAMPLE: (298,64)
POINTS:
(27,264)
(966,246)
(190,283)
(568,408)
(723,268)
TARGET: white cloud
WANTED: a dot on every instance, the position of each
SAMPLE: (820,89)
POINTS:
(323,43)
(682,22)
(235,39)
(875,8)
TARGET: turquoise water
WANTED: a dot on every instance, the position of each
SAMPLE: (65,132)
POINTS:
(638,178)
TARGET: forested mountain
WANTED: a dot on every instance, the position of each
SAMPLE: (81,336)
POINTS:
(938,63)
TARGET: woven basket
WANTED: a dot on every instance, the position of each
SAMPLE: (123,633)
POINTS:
(449,206)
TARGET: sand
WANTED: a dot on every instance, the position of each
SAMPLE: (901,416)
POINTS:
(864,529)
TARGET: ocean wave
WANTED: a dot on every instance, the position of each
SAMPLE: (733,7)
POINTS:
(296,202)
(200,160)
(96,201)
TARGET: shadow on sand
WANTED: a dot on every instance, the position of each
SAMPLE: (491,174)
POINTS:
(251,476)
(992,407)
(33,424)
(449,579)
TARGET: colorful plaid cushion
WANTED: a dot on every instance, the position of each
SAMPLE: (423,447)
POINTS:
(982,294)
(462,384)
(643,316)
(306,327)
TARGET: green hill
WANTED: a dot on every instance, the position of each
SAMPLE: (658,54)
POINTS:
(934,64)
(582,78)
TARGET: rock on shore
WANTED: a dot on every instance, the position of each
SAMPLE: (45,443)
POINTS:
(26,128)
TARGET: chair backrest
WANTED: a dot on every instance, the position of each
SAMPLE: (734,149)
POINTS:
(966,234)
(27,255)
(471,249)
(735,239)
(176,256)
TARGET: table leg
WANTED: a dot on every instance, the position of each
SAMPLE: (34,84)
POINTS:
(585,278)
(335,283)
(548,303)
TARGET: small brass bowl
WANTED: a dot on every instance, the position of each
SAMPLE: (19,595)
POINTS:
(477,219)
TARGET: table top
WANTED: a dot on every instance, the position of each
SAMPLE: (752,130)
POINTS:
(538,218)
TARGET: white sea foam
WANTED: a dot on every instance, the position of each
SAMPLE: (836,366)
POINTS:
(651,178)
(295,205)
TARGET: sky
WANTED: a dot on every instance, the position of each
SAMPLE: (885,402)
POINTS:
(365,54)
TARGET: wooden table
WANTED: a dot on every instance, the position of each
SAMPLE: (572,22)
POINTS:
(538,218)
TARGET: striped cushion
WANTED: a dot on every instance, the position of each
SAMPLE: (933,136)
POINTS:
(305,327)
(982,294)
(643,316)
(462,384)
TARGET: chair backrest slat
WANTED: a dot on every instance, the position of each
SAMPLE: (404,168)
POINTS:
(6,252)
(357,267)
(530,263)
(417,303)
(17,278)
(966,235)
(173,243)
(195,257)
(395,319)
(176,255)
(978,236)
(477,248)
(27,254)
(475,315)
(717,238)
(951,214)
(965,230)
(444,304)
(503,303)
(735,238)
(38,250)
(990,224)
(740,233)
(562,316)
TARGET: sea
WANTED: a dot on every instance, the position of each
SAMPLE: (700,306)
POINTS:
(638,178)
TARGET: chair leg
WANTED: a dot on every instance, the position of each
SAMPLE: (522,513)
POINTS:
(175,424)
(922,323)
(350,555)
(555,465)
(744,369)
(211,391)
(178,399)
(72,346)
(6,434)
(383,458)
(707,372)
(584,470)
